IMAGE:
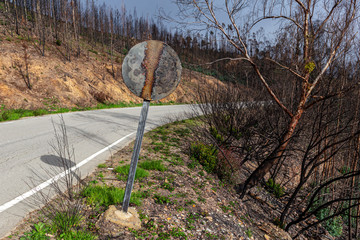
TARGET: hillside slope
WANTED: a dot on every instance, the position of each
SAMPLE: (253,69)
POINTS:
(84,81)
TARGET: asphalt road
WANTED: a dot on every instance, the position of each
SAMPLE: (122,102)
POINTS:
(25,151)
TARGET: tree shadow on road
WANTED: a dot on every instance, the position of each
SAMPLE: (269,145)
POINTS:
(56,161)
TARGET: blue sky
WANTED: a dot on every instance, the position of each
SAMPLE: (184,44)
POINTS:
(150,8)
(143,7)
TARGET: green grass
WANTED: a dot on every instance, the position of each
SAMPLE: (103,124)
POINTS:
(83,235)
(102,165)
(124,172)
(153,165)
(63,230)
(160,199)
(106,196)
(15,114)
(64,221)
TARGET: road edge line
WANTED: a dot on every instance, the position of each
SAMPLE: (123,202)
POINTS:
(43,185)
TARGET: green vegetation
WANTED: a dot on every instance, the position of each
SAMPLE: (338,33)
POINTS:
(153,165)
(310,66)
(105,196)
(39,232)
(214,132)
(64,221)
(205,155)
(177,233)
(72,235)
(191,219)
(333,225)
(159,199)
(61,227)
(167,186)
(93,51)
(15,114)
(102,165)
(124,172)
(249,233)
(275,188)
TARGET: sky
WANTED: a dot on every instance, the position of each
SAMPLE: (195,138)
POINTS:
(150,8)
(143,7)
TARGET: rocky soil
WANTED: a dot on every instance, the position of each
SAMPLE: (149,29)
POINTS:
(82,82)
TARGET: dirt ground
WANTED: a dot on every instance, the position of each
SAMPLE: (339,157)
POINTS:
(82,82)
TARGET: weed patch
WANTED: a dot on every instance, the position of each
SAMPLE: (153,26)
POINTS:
(102,165)
(153,165)
(39,232)
(124,172)
(159,199)
(167,186)
(106,196)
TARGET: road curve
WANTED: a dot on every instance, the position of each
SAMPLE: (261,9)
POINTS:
(94,135)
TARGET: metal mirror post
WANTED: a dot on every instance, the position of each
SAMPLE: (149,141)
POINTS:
(135,156)
(151,70)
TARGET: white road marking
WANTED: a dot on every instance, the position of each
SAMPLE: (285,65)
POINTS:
(5,123)
(57,177)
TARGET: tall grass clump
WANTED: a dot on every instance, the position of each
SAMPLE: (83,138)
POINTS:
(123,172)
(106,196)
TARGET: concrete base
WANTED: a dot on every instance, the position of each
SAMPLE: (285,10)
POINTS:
(130,219)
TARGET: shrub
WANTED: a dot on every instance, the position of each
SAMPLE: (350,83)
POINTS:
(214,132)
(275,188)
(206,155)
(333,225)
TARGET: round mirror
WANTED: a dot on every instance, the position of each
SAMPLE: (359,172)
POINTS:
(151,70)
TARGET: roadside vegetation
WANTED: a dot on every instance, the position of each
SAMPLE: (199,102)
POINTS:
(174,194)
(15,114)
